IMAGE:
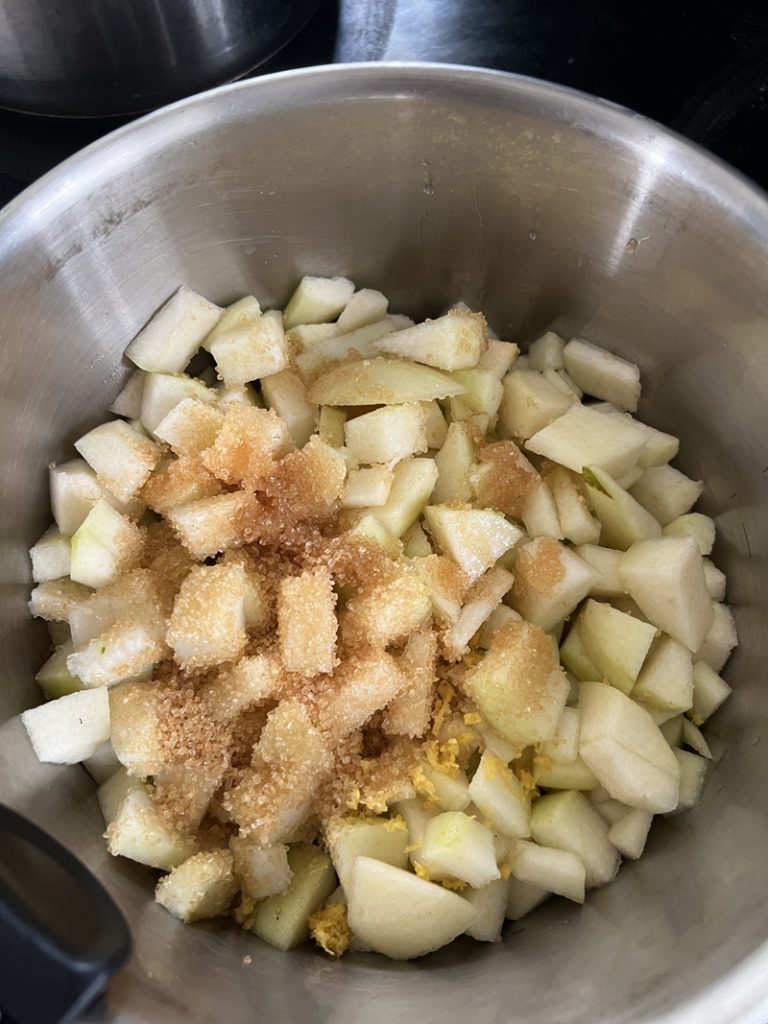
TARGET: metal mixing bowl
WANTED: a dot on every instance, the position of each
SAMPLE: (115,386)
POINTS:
(546,209)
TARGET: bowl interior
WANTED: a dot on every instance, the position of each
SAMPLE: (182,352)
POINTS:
(546,210)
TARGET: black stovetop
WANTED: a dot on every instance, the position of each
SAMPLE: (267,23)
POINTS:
(700,66)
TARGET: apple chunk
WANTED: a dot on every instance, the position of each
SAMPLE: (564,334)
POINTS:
(567,821)
(549,582)
(615,642)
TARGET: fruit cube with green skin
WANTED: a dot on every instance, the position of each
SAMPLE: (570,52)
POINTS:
(106,545)
(720,638)
(616,643)
(454,462)
(490,902)
(51,556)
(402,916)
(602,374)
(623,520)
(249,350)
(666,679)
(709,690)
(567,821)
(574,775)
(388,434)
(539,515)
(384,839)
(624,748)
(499,357)
(665,577)
(140,833)
(473,538)
(366,306)
(282,920)
(580,438)
(128,402)
(557,871)
(693,773)
(605,562)
(121,457)
(518,686)
(696,525)
(360,342)
(500,797)
(630,833)
(286,393)
(69,729)
(546,353)
(381,381)
(576,521)
(173,335)
(451,342)
(163,391)
(522,898)
(412,484)
(317,300)
(200,888)
(54,678)
(529,403)
(190,427)
(550,581)
(483,390)
(666,492)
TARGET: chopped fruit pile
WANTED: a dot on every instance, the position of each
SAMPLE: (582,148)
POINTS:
(376,631)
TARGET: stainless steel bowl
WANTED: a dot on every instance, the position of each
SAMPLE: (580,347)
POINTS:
(547,209)
(89,57)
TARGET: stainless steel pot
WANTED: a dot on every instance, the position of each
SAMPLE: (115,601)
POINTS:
(546,209)
(89,57)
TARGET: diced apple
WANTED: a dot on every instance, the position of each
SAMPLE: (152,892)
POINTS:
(557,871)
(573,655)
(709,690)
(251,348)
(382,839)
(576,522)
(550,581)
(563,748)
(381,381)
(473,538)
(546,353)
(368,487)
(693,737)
(624,521)
(666,679)
(529,403)
(69,729)
(615,642)
(304,336)
(452,342)
(330,425)
(386,612)
(140,833)
(368,530)
(163,391)
(622,745)
(499,357)
(202,887)
(128,402)
(50,556)
(574,775)
(54,678)
(518,685)
(412,484)
(490,902)
(388,434)
(666,492)
(286,393)
(522,898)
(261,871)
(416,543)
(672,731)
(449,792)
(74,492)
(359,343)
(306,622)
(208,526)
(720,638)
(318,299)
(121,457)
(113,791)
(567,821)
(580,438)
(207,625)
(539,514)
(484,596)
(659,448)
(190,427)
(244,394)
(460,847)
(483,391)
(366,306)
(605,562)
(665,577)
(602,374)
(282,920)
(173,335)
(715,580)
(135,730)
(499,795)
(454,462)
(695,525)
(630,832)
(693,773)
(499,617)
(55,599)
(104,546)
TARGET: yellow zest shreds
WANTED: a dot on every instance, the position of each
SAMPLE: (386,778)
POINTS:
(526,780)
(443,756)
(395,824)
(423,786)
(412,848)
(446,694)
(473,718)
(244,911)
(455,884)
(329,928)
(422,872)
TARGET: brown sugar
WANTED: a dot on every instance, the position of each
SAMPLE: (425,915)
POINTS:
(538,567)
(508,481)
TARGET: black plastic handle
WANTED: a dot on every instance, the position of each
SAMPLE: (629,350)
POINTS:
(61,935)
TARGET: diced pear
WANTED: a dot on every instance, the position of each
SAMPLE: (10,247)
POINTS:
(412,484)
(283,920)
(574,775)
(139,832)
(202,887)
(605,562)
(567,821)
(330,425)
(128,402)
(447,585)
(659,448)
(364,307)
(563,382)
(416,543)
(481,600)
(190,427)
(261,871)
(709,690)
(102,764)
(388,612)
(715,580)
(580,437)
(382,839)
(499,357)
(696,525)
(416,813)
(286,393)
(563,748)
(173,335)
(163,391)
(304,336)
(602,374)
(666,679)
(104,546)
(498,794)
(665,577)
(518,685)
(207,526)
(452,342)
(368,530)
(672,731)
(241,394)
(613,810)
(388,434)
(381,381)
(51,556)
(454,462)
(124,651)
(207,625)
(629,479)
(499,617)
(529,403)
(546,353)
(55,600)
(449,792)
(624,748)
(121,457)
(74,492)
(624,521)
(400,915)
(539,513)
(483,390)
(306,622)
(693,773)
(113,791)
(630,832)
(69,729)
(573,655)
(456,845)
(360,342)
(473,538)
(522,898)
(666,493)
(317,299)
(368,487)
(135,731)
(550,581)
(248,350)
(557,871)
(720,638)
(615,642)
(693,737)
(576,522)
(490,902)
